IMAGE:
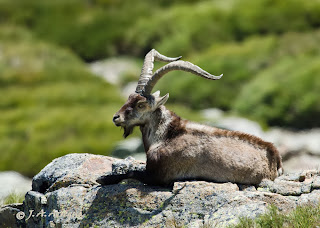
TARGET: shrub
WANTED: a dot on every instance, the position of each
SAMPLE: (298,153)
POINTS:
(50,105)
(273,17)
(275,75)
(238,63)
(93,29)
(179,30)
(101,28)
(285,94)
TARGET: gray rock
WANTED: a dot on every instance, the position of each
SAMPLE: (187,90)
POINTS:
(212,114)
(112,69)
(128,89)
(129,147)
(301,161)
(295,142)
(8,216)
(127,165)
(11,181)
(72,169)
(316,183)
(240,124)
(70,197)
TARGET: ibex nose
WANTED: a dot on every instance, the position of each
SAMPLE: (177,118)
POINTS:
(115,117)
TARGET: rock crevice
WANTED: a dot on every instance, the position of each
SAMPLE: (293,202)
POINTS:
(65,193)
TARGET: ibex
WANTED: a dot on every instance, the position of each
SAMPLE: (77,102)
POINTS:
(178,149)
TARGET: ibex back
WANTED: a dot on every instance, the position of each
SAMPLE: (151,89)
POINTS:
(178,149)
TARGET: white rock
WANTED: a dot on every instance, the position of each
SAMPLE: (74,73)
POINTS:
(128,89)
(308,141)
(302,162)
(241,124)
(11,181)
(112,69)
(130,147)
(212,113)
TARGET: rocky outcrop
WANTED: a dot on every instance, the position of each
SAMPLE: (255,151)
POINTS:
(65,194)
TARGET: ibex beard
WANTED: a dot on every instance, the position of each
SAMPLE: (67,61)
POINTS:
(178,149)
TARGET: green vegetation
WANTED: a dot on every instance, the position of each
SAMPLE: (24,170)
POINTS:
(298,106)
(277,75)
(100,28)
(302,216)
(13,197)
(50,104)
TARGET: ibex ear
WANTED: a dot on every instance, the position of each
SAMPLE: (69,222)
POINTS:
(156,94)
(161,100)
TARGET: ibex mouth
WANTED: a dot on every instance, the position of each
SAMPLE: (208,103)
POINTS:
(117,124)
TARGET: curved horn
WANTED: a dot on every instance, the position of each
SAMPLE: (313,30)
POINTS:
(177,65)
(146,72)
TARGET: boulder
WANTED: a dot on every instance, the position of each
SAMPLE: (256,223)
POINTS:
(129,147)
(240,124)
(65,194)
(113,69)
(295,141)
(13,182)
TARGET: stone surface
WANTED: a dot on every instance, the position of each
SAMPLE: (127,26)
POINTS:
(65,194)
(11,181)
(240,124)
(295,142)
(72,169)
(113,69)
(8,215)
(301,161)
(130,147)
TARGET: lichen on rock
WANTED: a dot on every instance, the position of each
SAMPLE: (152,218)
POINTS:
(65,193)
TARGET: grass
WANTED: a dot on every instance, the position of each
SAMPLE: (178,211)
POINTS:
(302,216)
(13,197)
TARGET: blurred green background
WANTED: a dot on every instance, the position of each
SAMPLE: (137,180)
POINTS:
(51,104)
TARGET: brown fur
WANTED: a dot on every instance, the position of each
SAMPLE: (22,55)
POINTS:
(252,140)
(178,149)
(176,127)
(170,162)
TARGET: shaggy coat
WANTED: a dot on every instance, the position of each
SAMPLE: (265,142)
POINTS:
(178,149)
(187,150)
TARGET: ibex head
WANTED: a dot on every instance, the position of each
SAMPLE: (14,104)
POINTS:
(141,104)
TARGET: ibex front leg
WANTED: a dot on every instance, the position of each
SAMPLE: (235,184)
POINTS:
(141,176)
